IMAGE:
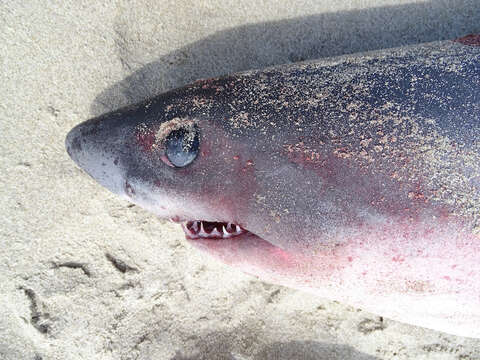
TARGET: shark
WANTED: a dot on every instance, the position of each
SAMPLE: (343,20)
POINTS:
(356,178)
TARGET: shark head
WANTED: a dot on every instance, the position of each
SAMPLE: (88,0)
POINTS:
(186,156)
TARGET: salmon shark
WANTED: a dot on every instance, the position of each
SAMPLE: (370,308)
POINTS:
(356,178)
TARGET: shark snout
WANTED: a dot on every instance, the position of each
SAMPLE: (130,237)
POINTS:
(73,144)
(96,148)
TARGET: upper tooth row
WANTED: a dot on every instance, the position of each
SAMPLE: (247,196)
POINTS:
(194,230)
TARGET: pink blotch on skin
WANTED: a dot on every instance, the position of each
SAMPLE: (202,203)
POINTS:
(287,259)
(205,149)
(248,167)
(146,139)
(470,40)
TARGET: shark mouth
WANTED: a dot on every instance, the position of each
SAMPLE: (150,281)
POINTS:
(200,229)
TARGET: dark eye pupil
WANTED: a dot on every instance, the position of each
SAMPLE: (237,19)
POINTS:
(181,146)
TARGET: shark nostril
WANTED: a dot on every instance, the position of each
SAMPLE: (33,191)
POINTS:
(129,190)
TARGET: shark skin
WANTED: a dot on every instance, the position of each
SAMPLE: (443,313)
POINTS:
(356,178)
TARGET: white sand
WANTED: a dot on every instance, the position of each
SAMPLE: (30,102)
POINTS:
(61,297)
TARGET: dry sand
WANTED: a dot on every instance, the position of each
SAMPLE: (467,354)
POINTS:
(83,274)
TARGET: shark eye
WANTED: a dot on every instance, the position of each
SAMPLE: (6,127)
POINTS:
(181,146)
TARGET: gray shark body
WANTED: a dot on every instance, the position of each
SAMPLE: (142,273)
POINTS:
(356,178)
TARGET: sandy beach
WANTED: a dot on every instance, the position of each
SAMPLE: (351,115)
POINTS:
(86,275)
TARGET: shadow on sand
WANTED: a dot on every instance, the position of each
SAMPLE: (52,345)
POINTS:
(271,43)
(292,350)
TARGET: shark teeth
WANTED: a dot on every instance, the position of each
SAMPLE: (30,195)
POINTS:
(211,230)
